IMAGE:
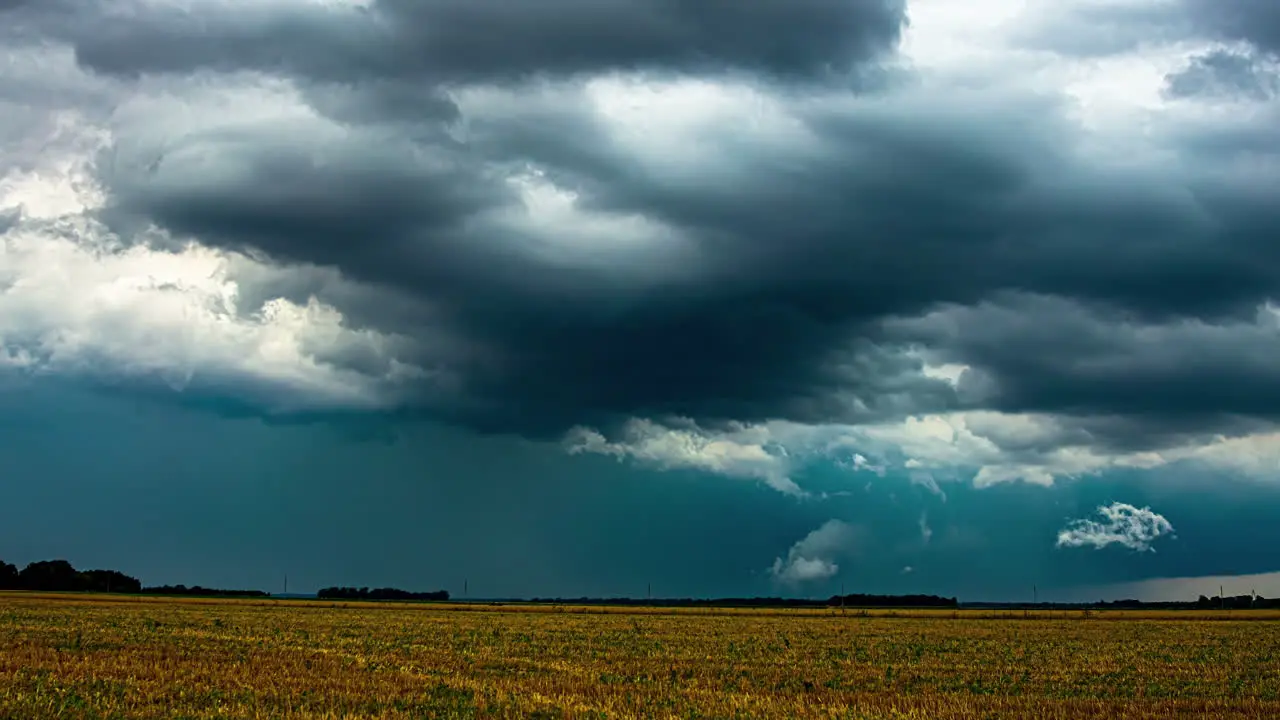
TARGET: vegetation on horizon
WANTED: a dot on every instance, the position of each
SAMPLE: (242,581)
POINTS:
(61,576)
(857,600)
(364,593)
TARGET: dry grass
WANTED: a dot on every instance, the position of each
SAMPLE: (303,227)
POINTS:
(112,657)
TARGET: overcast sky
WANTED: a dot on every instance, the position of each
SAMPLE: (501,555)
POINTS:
(570,297)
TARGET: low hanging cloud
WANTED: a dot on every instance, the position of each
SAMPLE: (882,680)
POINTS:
(815,557)
(752,454)
(1121,524)
(983,448)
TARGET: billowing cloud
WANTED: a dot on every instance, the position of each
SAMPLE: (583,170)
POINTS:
(1254,21)
(447,41)
(814,557)
(1121,524)
(174,320)
(703,235)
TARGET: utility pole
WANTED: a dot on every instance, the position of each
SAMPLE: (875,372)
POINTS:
(842,597)
(1035,595)
(286,584)
(1222,599)
(650,591)
(464,588)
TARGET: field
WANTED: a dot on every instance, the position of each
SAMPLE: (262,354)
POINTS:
(117,657)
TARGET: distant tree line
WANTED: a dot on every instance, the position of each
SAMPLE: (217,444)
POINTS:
(197,590)
(896,601)
(1237,602)
(364,593)
(679,602)
(61,576)
(853,601)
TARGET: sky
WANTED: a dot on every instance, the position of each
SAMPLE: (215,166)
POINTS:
(566,298)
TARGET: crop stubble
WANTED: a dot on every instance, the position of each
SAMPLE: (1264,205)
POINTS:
(111,657)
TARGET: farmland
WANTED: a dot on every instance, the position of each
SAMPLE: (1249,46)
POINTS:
(132,657)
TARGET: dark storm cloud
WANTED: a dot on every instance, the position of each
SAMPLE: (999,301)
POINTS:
(394,60)
(783,258)
(1127,385)
(882,215)
(1253,21)
(797,260)
(455,41)
(367,203)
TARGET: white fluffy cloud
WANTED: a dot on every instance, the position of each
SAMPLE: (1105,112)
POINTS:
(815,556)
(75,299)
(1121,524)
(72,305)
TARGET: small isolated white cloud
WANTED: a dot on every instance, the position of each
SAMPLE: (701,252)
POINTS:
(814,556)
(1122,524)
(908,570)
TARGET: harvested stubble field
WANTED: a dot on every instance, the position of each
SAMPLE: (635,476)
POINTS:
(116,657)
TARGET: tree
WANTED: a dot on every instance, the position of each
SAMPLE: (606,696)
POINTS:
(49,576)
(109,581)
(350,593)
(8,576)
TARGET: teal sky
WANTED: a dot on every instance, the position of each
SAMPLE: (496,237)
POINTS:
(173,495)
(730,299)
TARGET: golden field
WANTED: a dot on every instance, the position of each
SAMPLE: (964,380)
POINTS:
(128,657)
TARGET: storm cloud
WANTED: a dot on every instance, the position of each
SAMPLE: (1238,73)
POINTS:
(1254,21)
(448,41)
(656,210)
